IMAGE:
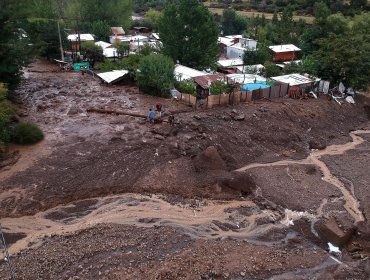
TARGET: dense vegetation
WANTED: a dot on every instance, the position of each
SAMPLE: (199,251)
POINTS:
(189,34)
(300,6)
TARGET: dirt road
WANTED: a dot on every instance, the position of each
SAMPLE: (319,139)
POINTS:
(108,196)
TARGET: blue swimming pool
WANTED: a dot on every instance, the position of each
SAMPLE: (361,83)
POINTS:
(253,86)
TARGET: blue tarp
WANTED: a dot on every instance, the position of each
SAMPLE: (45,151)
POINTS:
(248,87)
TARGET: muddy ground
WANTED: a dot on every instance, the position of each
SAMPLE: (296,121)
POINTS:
(109,196)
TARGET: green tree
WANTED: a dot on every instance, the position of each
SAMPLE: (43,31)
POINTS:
(123,49)
(232,23)
(271,70)
(92,51)
(156,74)
(13,45)
(189,34)
(101,30)
(187,86)
(153,16)
(113,12)
(6,115)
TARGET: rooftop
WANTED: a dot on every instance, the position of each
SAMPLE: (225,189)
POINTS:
(284,48)
(226,41)
(103,44)
(185,73)
(83,37)
(245,78)
(206,80)
(230,62)
(292,79)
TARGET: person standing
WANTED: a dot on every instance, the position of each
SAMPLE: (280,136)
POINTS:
(151,116)
(159,110)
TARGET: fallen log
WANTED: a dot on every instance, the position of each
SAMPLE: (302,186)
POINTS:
(117,112)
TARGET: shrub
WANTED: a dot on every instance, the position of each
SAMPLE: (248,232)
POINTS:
(155,75)
(26,133)
(187,86)
(6,115)
(218,87)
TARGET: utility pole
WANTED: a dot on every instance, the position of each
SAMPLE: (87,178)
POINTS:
(6,255)
(60,41)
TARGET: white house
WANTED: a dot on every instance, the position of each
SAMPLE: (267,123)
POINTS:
(237,50)
(185,73)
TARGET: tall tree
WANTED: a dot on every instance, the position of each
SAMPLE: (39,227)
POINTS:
(13,42)
(189,34)
(232,23)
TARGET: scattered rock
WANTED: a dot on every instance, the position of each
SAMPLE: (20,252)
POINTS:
(197,117)
(74,110)
(239,117)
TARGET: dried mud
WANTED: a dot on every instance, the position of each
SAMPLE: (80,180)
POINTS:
(108,196)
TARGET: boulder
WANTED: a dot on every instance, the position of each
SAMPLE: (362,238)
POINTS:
(332,232)
(209,159)
(239,181)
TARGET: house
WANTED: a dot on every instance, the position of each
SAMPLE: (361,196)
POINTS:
(185,73)
(108,50)
(117,31)
(294,80)
(204,82)
(237,50)
(298,84)
(76,39)
(223,43)
(284,52)
(228,66)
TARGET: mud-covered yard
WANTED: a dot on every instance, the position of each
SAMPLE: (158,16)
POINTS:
(109,196)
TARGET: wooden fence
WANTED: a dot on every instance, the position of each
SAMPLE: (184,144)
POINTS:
(236,97)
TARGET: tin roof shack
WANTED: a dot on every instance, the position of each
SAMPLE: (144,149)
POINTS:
(204,82)
(108,50)
(297,83)
(76,39)
(229,66)
(185,73)
(284,52)
(112,77)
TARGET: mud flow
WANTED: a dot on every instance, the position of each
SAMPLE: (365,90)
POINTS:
(108,195)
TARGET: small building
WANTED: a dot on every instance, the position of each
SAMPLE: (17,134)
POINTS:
(294,80)
(108,50)
(298,84)
(284,52)
(185,73)
(237,50)
(117,31)
(223,43)
(75,40)
(204,82)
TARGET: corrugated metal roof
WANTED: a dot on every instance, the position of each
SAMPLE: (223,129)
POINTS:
(83,37)
(284,48)
(292,79)
(185,73)
(112,76)
(246,78)
(206,80)
(117,30)
(226,41)
(258,67)
(103,44)
(230,62)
